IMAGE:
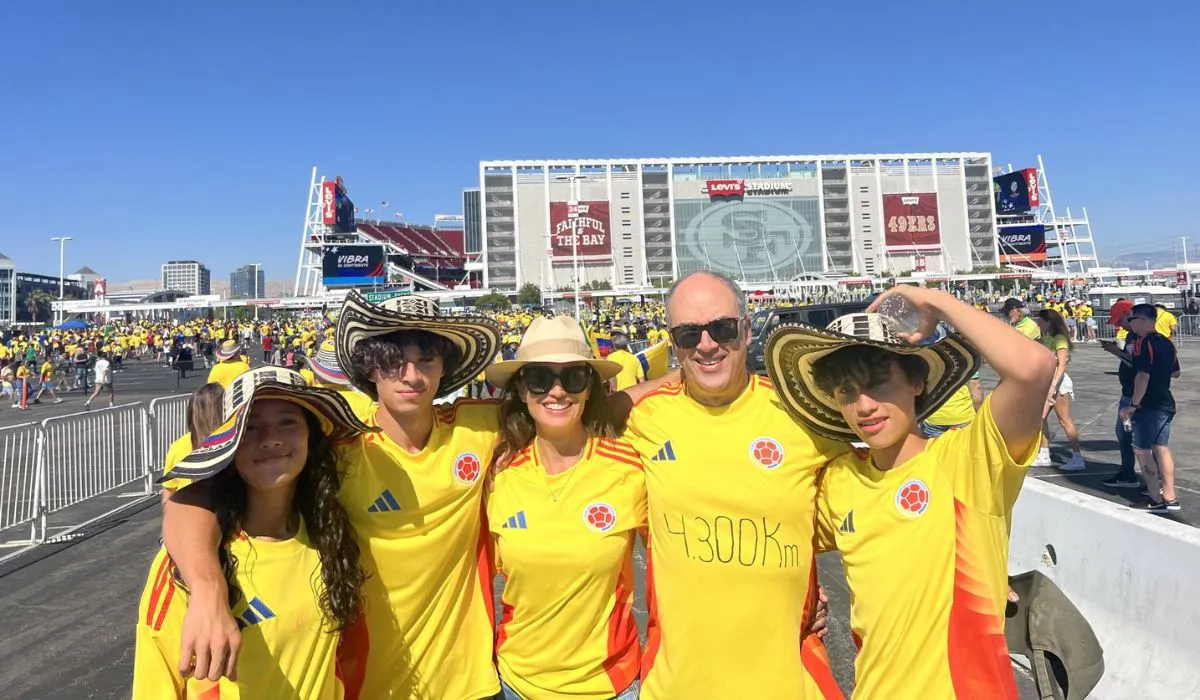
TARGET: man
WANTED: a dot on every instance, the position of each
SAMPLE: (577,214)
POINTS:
(230,363)
(1166,323)
(1152,407)
(1018,316)
(1126,477)
(937,509)
(631,369)
(731,483)
(104,382)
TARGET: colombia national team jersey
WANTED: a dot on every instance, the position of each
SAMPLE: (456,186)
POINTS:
(288,646)
(429,603)
(925,549)
(730,493)
(565,546)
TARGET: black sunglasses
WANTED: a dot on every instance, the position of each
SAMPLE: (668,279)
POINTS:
(540,379)
(723,330)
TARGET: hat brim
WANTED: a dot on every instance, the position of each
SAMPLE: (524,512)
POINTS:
(223,355)
(327,374)
(792,349)
(477,338)
(500,374)
(216,451)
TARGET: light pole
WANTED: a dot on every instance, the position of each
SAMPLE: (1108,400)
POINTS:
(575,197)
(62,254)
(257,291)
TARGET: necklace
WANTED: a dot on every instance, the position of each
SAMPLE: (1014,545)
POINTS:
(552,480)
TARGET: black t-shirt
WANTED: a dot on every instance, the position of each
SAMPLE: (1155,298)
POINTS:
(1156,356)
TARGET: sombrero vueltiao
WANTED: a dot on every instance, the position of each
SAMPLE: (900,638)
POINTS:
(477,338)
(228,350)
(216,451)
(792,349)
(324,365)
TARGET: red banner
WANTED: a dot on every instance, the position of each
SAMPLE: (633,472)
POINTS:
(329,203)
(725,188)
(580,228)
(99,287)
(911,222)
(1031,181)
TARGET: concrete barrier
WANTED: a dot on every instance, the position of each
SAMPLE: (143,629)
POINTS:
(1135,576)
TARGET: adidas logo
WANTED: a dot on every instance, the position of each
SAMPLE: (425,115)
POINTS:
(666,453)
(847,527)
(516,522)
(257,612)
(386,503)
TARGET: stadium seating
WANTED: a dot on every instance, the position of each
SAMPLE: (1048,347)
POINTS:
(436,254)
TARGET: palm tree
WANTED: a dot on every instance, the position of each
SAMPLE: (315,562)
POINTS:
(37,300)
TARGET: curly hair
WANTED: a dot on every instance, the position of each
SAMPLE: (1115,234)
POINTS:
(864,367)
(385,353)
(328,525)
(517,428)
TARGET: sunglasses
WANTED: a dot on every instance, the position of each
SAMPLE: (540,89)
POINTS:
(722,330)
(539,379)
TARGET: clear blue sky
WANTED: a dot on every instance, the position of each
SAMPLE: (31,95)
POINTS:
(161,130)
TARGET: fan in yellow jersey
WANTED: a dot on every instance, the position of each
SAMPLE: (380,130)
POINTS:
(567,501)
(230,364)
(290,554)
(327,372)
(413,493)
(935,509)
(731,487)
(202,417)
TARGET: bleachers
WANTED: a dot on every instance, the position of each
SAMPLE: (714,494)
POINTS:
(434,254)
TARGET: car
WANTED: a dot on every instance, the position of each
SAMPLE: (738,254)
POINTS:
(767,320)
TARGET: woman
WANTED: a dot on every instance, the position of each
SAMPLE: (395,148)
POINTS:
(1057,337)
(289,553)
(203,416)
(567,500)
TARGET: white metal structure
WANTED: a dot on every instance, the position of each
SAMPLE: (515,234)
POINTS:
(62,257)
(308,268)
(1070,235)
(797,216)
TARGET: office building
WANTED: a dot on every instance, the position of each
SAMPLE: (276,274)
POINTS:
(187,276)
(247,282)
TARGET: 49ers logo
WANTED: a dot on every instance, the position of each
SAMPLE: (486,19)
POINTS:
(467,468)
(767,452)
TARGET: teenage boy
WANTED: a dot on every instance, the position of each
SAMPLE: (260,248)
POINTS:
(922,524)
(1152,407)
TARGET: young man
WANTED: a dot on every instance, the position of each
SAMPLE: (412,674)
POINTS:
(1018,317)
(922,524)
(1152,407)
(731,483)
(1126,477)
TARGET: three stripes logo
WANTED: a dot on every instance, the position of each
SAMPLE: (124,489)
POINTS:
(386,503)
(257,612)
(515,522)
(666,453)
(847,526)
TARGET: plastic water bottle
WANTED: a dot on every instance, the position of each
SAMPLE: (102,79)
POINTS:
(898,315)
(1127,424)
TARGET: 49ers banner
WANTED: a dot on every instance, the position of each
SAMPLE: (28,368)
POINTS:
(910,223)
(582,227)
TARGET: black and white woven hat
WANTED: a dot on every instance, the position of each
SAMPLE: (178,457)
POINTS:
(216,451)
(477,337)
(792,349)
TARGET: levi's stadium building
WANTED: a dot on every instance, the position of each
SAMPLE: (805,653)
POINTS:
(639,223)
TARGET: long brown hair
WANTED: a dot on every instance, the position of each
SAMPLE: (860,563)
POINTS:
(1057,325)
(517,428)
(204,411)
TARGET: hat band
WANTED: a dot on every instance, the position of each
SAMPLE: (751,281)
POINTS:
(530,352)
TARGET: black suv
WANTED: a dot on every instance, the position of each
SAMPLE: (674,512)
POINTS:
(765,321)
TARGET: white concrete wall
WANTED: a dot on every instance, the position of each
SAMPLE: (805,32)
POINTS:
(1135,576)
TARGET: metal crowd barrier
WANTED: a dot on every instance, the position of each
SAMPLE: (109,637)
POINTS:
(60,475)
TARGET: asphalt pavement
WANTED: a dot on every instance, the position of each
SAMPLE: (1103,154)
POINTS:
(69,609)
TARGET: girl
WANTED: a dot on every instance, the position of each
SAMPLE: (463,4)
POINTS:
(1057,337)
(289,553)
(203,417)
(566,502)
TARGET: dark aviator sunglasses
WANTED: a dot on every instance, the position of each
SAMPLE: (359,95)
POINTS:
(687,336)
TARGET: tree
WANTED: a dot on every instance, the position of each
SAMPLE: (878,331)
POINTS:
(529,295)
(597,285)
(495,300)
(36,303)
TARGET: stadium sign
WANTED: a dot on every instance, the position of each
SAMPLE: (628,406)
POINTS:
(741,188)
(378,297)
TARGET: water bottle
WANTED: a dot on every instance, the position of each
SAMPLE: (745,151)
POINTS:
(898,315)
(1127,424)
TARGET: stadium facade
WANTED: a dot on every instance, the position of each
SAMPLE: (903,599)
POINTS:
(640,222)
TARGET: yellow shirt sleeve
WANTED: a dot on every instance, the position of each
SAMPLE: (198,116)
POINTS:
(976,461)
(823,539)
(179,449)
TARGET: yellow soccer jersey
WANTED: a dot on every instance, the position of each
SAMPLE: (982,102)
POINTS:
(565,546)
(429,604)
(730,575)
(362,405)
(925,549)
(289,650)
(182,447)
(47,371)
(224,373)
(959,409)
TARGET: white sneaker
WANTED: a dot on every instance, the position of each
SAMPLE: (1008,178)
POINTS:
(1075,464)
(1042,459)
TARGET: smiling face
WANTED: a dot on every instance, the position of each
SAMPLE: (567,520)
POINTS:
(554,409)
(274,445)
(410,386)
(715,371)
(876,391)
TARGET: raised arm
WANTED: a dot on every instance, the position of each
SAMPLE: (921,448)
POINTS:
(211,639)
(1025,366)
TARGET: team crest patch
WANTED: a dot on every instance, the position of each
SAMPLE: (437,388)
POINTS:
(599,516)
(766,452)
(467,468)
(912,498)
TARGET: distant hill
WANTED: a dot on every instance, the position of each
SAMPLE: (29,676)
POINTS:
(275,289)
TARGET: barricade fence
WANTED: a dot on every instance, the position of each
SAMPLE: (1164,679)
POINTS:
(67,471)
